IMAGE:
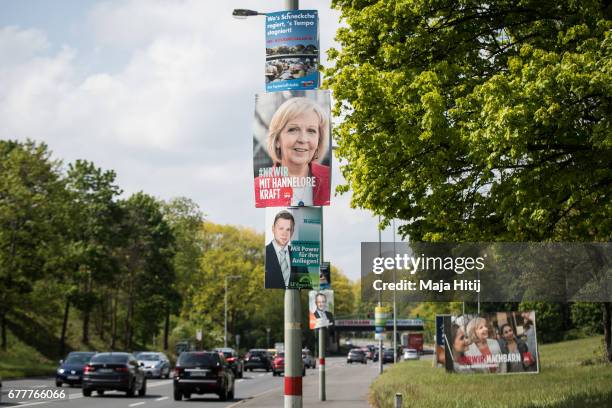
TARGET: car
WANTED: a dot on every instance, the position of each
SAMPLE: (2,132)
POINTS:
(356,355)
(388,356)
(278,364)
(70,370)
(154,364)
(411,354)
(203,372)
(367,352)
(114,371)
(257,358)
(372,348)
(308,359)
(234,360)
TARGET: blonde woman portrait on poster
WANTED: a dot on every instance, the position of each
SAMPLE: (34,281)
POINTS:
(482,347)
(298,137)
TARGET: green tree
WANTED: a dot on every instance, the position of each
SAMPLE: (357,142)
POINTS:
(33,201)
(344,297)
(478,121)
(230,251)
(148,271)
(95,225)
(185,219)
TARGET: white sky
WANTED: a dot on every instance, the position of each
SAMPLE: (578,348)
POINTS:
(162,92)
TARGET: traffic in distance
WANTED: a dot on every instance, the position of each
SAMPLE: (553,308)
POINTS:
(217,372)
(195,372)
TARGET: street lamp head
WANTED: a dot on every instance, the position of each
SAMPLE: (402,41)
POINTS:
(244,13)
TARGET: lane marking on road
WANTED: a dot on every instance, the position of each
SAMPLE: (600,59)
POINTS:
(25,404)
(159,384)
(253,397)
(136,404)
(161,399)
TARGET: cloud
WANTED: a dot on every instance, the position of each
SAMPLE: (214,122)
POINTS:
(172,117)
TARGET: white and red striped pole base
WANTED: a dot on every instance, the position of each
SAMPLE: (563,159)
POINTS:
(293,349)
(322,344)
(293,392)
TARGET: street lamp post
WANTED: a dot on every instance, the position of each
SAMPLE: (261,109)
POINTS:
(268,336)
(225,325)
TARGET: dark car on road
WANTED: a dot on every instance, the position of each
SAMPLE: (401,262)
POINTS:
(70,370)
(203,372)
(233,359)
(356,355)
(388,356)
(114,371)
(257,358)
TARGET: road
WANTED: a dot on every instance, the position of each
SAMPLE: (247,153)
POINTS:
(255,385)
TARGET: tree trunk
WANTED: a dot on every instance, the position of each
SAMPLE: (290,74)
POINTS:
(64,328)
(85,338)
(3,324)
(128,317)
(166,328)
(101,317)
(86,312)
(114,322)
(607,321)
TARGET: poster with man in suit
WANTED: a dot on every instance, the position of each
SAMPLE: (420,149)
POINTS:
(321,308)
(293,237)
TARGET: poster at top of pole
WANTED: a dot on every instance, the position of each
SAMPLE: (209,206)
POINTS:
(292,50)
(292,149)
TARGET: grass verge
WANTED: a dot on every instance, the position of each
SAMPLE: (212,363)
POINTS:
(570,376)
(21,360)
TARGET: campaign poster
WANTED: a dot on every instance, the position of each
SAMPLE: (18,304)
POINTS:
(293,247)
(325,276)
(292,50)
(292,149)
(321,308)
(493,343)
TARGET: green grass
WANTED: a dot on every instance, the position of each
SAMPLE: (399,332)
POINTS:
(21,360)
(570,375)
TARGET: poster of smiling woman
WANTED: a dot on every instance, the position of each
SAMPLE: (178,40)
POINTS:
(291,149)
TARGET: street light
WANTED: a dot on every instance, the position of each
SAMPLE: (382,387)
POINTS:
(225,325)
(244,13)
(268,332)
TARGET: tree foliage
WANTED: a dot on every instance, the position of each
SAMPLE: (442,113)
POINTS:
(33,201)
(477,120)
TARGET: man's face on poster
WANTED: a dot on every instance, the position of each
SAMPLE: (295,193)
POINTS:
(320,302)
(282,230)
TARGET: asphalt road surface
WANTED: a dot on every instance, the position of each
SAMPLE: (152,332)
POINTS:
(159,394)
(254,385)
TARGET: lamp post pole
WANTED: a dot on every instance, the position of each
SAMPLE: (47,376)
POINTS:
(225,324)
(380,340)
(394,303)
